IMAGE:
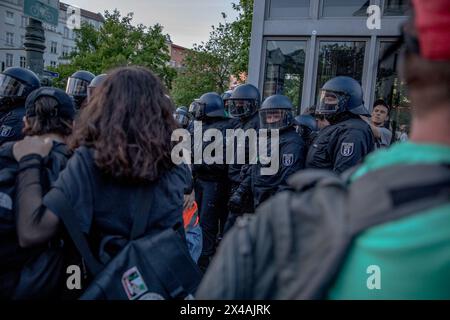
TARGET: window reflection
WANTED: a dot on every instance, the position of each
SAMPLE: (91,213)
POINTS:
(340,58)
(396,7)
(345,8)
(393,91)
(285,64)
(289,8)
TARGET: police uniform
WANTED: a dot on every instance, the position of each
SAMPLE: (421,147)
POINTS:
(292,159)
(341,146)
(212,190)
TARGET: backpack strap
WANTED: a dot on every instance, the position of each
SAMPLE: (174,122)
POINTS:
(396,192)
(140,218)
(68,216)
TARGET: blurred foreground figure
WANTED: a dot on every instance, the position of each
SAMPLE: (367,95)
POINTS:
(379,232)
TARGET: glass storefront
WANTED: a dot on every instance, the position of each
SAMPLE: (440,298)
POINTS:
(393,91)
(340,58)
(289,8)
(284,72)
(345,8)
(396,7)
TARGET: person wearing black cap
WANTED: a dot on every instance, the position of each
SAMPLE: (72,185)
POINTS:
(49,115)
(15,86)
(348,139)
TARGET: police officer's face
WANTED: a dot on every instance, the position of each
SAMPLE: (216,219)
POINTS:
(379,115)
(273,116)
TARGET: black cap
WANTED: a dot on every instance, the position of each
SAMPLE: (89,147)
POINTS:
(65,107)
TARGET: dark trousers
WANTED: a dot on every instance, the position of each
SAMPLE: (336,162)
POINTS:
(212,199)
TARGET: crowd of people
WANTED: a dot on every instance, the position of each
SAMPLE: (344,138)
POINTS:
(104,148)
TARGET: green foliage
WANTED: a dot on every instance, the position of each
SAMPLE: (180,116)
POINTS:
(118,43)
(209,65)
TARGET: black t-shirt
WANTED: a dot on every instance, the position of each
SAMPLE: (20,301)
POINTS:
(109,204)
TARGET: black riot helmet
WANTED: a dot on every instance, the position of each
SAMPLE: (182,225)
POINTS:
(15,86)
(244,101)
(182,116)
(276,113)
(96,82)
(77,86)
(339,95)
(210,105)
(307,121)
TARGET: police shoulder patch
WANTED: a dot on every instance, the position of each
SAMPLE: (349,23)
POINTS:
(288,159)
(6,131)
(347,149)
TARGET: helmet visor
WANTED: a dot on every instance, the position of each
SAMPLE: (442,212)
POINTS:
(10,87)
(197,109)
(240,108)
(77,87)
(275,118)
(329,102)
(182,119)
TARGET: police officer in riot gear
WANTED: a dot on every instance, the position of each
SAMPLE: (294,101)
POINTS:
(211,185)
(15,86)
(243,105)
(348,139)
(96,82)
(183,117)
(275,114)
(77,87)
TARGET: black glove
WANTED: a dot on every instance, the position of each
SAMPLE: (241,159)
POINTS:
(235,203)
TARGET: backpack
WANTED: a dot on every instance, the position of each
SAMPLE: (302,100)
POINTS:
(27,273)
(154,266)
(295,245)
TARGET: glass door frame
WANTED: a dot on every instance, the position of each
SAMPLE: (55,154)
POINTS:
(264,62)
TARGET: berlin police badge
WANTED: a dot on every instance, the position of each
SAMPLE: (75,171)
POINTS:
(288,159)
(347,149)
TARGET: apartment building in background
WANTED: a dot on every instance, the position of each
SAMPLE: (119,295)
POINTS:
(59,40)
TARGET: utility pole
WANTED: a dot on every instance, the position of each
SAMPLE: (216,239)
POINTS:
(35,46)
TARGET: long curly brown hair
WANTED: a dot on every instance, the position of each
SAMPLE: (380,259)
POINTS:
(129,124)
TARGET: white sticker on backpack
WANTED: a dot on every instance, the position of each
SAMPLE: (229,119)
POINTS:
(134,284)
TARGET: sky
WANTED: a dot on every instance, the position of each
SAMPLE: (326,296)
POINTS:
(186,21)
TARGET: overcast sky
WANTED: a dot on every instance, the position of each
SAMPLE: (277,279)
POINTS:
(186,21)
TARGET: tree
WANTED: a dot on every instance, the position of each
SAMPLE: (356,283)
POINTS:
(209,65)
(118,43)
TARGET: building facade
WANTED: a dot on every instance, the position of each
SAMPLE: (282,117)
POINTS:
(297,45)
(177,55)
(59,40)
